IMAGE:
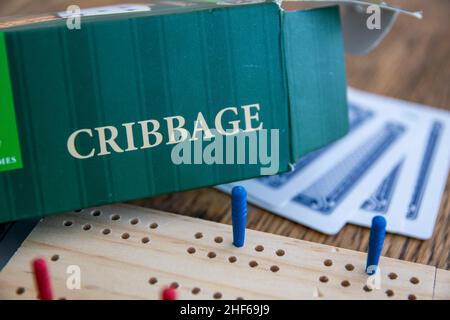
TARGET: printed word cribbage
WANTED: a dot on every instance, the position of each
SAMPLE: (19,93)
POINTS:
(127,252)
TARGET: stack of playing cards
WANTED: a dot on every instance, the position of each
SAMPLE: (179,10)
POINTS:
(393,162)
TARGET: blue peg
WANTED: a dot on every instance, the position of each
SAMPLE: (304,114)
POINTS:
(239,214)
(376,239)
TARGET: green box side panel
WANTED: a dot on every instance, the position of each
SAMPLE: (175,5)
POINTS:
(315,65)
(114,72)
(10,156)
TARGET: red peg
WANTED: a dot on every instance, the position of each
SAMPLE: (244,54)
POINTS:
(42,279)
(169,294)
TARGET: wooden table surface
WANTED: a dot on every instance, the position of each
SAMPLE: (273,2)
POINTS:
(413,63)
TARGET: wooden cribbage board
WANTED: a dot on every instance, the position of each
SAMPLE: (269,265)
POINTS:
(127,252)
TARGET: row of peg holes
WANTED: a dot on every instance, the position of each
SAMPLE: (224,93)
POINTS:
(350,267)
(258,248)
(125,235)
(113,217)
(196,290)
(233,259)
(392,275)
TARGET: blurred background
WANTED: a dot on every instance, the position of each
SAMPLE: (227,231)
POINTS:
(412,63)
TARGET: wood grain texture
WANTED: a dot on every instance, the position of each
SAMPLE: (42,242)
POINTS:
(412,63)
(128,252)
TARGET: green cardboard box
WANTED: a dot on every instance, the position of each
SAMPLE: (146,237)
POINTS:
(82,110)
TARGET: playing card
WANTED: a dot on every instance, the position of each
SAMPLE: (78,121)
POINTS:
(328,203)
(415,194)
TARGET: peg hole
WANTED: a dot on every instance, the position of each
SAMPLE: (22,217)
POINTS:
(280,252)
(253,264)
(211,255)
(115,217)
(87,227)
(239,298)
(349,267)
(366,288)
(345,283)
(217,295)
(328,263)
(154,225)
(54,257)
(323,279)
(195,290)
(96,213)
(232,259)
(134,221)
(198,235)
(274,268)
(414,280)
(174,285)
(106,231)
(68,223)
(392,276)
(20,291)
(389,293)
(125,236)
(145,240)
(412,297)
(218,239)
(191,250)
(152,280)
